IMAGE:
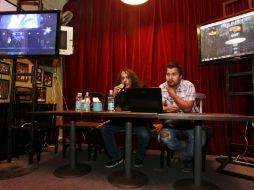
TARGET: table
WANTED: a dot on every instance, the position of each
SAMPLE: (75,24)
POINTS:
(126,179)
(198,183)
(73,169)
(130,178)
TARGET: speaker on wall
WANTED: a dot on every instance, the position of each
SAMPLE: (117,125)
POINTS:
(66,40)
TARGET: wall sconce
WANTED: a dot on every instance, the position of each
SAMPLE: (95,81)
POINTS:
(134,2)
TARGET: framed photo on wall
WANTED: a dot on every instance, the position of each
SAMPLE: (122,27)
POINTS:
(21,68)
(4,68)
(47,79)
(41,94)
(4,89)
(24,93)
(38,76)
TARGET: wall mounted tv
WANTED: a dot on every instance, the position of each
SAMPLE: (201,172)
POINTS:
(29,33)
(230,38)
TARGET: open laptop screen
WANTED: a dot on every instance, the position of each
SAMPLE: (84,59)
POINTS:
(144,100)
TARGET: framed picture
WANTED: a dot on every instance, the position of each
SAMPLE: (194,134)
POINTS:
(4,89)
(21,68)
(47,79)
(38,76)
(41,94)
(24,93)
(4,68)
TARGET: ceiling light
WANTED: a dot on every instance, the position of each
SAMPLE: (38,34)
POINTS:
(134,2)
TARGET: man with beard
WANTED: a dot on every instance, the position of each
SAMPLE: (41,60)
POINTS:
(178,95)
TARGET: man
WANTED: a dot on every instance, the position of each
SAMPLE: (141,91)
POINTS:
(126,79)
(178,95)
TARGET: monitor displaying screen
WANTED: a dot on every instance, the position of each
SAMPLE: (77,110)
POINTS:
(30,33)
(225,39)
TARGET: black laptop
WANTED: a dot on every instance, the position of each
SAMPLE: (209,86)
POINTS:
(144,100)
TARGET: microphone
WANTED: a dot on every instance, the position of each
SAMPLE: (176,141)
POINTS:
(122,87)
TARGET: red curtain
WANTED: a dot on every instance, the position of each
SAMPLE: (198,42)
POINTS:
(109,35)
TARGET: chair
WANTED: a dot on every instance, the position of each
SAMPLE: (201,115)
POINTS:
(29,135)
(200,97)
(87,132)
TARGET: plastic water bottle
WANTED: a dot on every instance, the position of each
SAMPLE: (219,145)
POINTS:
(82,104)
(78,106)
(87,102)
(111,103)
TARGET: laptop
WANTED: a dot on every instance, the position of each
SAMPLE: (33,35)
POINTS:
(144,100)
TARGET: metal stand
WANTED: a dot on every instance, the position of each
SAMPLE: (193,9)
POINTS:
(73,169)
(128,178)
(229,158)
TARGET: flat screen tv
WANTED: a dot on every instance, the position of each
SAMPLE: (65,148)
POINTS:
(225,39)
(29,33)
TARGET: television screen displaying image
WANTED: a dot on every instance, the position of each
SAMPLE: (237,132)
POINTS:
(227,39)
(33,33)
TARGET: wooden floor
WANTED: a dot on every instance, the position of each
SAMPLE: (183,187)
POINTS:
(42,177)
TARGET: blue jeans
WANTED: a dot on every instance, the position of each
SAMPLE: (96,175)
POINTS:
(143,137)
(184,145)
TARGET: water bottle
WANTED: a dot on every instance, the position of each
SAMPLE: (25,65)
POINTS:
(78,106)
(111,103)
(87,102)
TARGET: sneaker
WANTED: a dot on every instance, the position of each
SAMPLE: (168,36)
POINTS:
(113,163)
(187,166)
(138,163)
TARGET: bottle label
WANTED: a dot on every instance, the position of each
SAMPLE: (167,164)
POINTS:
(78,106)
(111,106)
(87,106)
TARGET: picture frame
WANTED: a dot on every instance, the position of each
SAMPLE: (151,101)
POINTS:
(24,93)
(4,68)
(47,79)
(22,68)
(41,94)
(38,76)
(4,88)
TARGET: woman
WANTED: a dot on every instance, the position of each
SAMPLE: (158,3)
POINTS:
(126,79)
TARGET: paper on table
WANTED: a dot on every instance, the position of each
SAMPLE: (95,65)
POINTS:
(95,99)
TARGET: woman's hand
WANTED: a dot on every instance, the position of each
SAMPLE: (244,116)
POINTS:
(118,89)
(118,108)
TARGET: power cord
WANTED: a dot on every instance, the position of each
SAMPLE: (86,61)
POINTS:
(61,91)
(242,156)
(24,124)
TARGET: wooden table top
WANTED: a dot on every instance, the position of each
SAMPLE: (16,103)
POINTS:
(128,114)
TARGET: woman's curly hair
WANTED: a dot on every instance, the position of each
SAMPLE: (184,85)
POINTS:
(135,83)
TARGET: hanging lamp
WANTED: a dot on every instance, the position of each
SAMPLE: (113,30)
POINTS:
(134,2)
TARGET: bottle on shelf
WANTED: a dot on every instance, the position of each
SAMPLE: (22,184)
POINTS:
(78,105)
(87,102)
(111,103)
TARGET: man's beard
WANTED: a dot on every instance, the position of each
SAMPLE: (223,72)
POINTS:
(172,85)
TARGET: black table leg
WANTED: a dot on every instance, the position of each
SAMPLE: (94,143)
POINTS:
(128,178)
(73,169)
(197,183)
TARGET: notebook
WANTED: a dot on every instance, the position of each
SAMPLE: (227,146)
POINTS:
(144,100)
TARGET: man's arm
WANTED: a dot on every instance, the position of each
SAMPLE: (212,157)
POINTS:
(185,105)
